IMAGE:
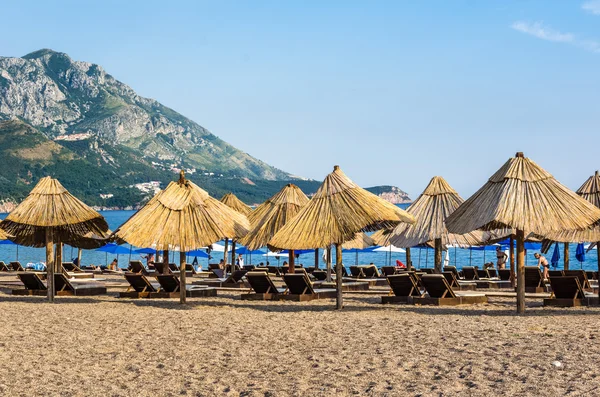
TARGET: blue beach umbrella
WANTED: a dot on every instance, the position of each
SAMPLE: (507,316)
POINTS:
(246,251)
(201,253)
(555,256)
(580,254)
(145,251)
(112,248)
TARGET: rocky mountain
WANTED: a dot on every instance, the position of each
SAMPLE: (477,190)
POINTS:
(108,145)
(393,194)
(69,100)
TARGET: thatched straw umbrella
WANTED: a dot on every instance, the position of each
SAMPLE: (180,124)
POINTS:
(431,209)
(334,215)
(269,217)
(235,203)
(183,217)
(48,215)
(523,196)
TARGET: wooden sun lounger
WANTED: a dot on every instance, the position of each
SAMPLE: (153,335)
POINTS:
(534,281)
(404,287)
(138,267)
(301,289)
(441,294)
(139,286)
(3,267)
(492,272)
(320,275)
(233,281)
(33,285)
(170,287)
(582,276)
(370,272)
(63,286)
(356,272)
(217,273)
(555,273)
(263,287)
(567,291)
(457,284)
(388,270)
(482,274)
(16,266)
(453,270)
(427,270)
(469,273)
(504,274)
(71,267)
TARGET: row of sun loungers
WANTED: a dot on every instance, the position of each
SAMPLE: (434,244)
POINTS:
(34,285)
(168,287)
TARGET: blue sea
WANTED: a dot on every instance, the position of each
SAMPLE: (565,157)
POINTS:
(421,257)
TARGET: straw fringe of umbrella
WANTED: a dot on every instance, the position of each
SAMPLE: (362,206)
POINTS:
(269,217)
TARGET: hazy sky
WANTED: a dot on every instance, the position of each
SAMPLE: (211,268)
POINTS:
(394,92)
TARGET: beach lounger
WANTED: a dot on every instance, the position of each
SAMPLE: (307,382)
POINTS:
(249,267)
(16,266)
(170,287)
(581,275)
(441,294)
(403,286)
(263,287)
(63,286)
(356,272)
(159,268)
(301,289)
(189,269)
(469,273)
(427,270)
(566,291)
(274,270)
(388,270)
(371,272)
(139,286)
(555,273)
(504,274)
(71,267)
(3,267)
(482,274)
(534,281)
(591,275)
(320,275)
(233,281)
(453,270)
(493,273)
(138,267)
(33,285)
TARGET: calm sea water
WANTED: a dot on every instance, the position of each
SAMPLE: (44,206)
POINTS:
(420,257)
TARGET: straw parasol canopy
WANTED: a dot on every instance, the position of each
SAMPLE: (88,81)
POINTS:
(269,217)
(359,242)
(337,211)
(232,201)
(523,196)
(48,215)
(589,191)
(50,205)
(431,209)
(182,217)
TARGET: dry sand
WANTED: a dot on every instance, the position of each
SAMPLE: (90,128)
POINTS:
(225,346)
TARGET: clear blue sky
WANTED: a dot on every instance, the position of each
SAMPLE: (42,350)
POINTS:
(394,92)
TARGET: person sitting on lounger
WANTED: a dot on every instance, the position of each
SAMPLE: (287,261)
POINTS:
(542,261)
(221,264)
(114,265)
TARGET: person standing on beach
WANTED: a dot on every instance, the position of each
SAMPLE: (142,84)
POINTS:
(240,261)
(542,261)
(501,257)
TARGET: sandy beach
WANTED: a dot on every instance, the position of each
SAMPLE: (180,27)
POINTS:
(225,346)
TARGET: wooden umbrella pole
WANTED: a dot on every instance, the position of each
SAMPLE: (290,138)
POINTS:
(408,260)
(598,256)
(182,289)
(512,261)
(316,258)
(338,276)
(232,256)
(292,263)
(165,261)
(225,257)
(520,271)
(50,264)
(59,252)
(328,261)
(566,256)
(438,255)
